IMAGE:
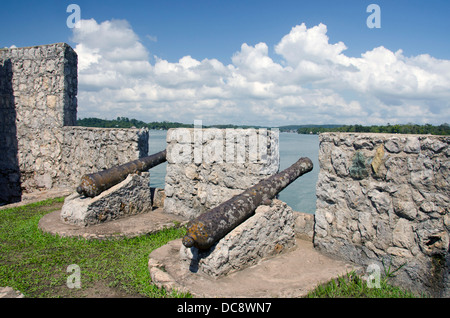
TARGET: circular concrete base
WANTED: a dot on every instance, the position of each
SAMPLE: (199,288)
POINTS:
(132,226)
(291,274)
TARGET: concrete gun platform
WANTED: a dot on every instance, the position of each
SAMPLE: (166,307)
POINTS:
(291,274)
(131,226)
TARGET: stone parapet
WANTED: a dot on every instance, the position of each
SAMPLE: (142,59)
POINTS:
(384,199)
(87,150)
(209,166)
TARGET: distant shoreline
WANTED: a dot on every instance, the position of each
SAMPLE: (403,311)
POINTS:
(124,122)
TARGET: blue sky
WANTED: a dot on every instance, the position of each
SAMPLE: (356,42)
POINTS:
(250,62)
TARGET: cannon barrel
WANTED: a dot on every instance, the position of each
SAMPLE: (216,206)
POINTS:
(95,183)
(211,226)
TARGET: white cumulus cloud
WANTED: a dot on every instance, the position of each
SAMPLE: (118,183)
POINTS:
(314,82)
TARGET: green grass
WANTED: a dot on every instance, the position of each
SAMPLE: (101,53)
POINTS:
(352,285)
(36,263)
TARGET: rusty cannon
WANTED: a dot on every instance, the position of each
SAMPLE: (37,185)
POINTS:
(95,183)
(211,226)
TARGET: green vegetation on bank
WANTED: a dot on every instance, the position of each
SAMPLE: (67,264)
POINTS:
(443,129)
(35,263)
(124,122)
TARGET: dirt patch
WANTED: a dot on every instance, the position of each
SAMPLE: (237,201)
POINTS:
(102,290)
(97,289)
(54,206)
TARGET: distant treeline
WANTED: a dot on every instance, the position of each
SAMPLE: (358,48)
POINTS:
(124,122)
(443,129)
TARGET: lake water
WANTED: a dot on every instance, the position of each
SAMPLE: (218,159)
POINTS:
(300,195)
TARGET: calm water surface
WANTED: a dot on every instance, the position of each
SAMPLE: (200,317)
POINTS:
(300,195)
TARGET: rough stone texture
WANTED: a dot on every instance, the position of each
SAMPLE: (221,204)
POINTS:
(304,225)
(383,197)
(38,149)
(199,178)
(43,93)
(86,150)
(158,197)
(268,232)
(131,196)
(8,292)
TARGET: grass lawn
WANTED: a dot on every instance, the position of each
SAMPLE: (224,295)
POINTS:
(37,263)
(353,286)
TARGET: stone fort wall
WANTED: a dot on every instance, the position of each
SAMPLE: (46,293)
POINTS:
(39,146)
(383,200)
(206,167)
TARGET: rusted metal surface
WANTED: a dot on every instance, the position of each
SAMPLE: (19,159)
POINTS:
(95,183)
(211,226)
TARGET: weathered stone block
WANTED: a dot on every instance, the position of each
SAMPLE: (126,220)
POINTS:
(158,197)
(40,100)
(268,232)
(87,150)
(358,170)
(131,196)
(304,225)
